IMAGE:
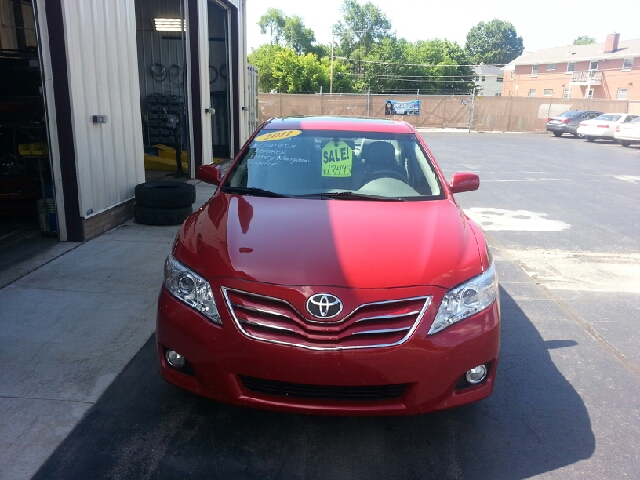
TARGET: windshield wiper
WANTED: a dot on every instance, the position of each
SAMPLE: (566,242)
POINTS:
(349,196)
(256,192)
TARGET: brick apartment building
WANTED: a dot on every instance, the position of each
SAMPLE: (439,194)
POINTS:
(609,70)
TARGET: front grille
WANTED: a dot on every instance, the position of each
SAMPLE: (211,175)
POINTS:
(379,324)
(323,392)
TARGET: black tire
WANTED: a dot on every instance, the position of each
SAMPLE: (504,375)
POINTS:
(161,216)
(165,194)
(590,138)
(557,134)
(624,143)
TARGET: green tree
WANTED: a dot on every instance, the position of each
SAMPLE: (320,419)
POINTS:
(494,42)
(584,40)
(273,21)
(262,57)
(289,32)
(283,70)
(433,66)
(361,27)
(298,37)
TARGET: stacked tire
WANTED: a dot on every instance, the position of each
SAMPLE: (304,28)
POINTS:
(163,202)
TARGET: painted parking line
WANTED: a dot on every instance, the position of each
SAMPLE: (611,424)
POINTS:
(498,219)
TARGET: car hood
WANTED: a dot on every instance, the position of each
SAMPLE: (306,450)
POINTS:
(342,243)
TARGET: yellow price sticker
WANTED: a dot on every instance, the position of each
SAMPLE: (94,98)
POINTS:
(279,135)
(337,159)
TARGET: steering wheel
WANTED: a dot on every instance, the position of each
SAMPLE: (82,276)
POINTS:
(384,174)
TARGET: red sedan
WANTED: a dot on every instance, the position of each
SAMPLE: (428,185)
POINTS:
(332,272)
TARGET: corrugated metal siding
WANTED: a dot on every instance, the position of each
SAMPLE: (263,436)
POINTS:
(103,80)
(160,48)
(8,38)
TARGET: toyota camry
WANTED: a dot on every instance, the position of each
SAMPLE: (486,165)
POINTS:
(332,272)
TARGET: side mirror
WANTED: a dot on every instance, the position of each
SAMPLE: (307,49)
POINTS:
(464,182)
(210,174)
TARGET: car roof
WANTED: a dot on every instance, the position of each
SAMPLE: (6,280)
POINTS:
(362,124)
(582,111)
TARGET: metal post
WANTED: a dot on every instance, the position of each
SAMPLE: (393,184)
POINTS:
(331,77)
(473,98)
(368,101)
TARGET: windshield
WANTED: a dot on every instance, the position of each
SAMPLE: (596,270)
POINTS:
(335,164)
(609,118)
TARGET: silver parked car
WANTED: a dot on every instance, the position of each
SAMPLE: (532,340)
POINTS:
(569,121)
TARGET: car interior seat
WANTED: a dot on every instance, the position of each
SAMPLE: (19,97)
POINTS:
(380,157)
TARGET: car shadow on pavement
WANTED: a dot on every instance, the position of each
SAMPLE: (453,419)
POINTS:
(535,422)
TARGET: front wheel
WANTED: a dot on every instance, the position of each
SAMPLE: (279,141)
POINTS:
(590,138)
(557,134)
(624,143)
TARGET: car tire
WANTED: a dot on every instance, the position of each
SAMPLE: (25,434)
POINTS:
(167,194)
(161,216)
(590,138)
(557,134)
(624,143)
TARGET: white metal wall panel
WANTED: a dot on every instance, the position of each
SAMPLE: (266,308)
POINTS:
(247,101)
(203,67)
(103,80)
(54,152)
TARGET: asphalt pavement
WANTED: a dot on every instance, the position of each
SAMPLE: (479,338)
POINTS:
(81,387)
(71,318)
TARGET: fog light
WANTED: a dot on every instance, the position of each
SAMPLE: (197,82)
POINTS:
(177,361)
(476,375)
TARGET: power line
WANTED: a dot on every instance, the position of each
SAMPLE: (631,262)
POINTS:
(420,64)
(422,76)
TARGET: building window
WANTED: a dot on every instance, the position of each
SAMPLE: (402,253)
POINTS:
(513,75)
(566,93)
(593,65)
(589,93)
(627,64)
(548,92)
(500,79)
(571,67)
(498,94)
(482,78)
(551,66)
(534,70)
(622,94)
(532,92)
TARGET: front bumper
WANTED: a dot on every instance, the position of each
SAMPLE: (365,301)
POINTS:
(224,364)
(627,137)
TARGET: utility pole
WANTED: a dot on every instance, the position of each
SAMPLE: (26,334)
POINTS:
(473,98)
(331,77)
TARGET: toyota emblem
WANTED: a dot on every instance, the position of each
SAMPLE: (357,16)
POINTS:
(324,305)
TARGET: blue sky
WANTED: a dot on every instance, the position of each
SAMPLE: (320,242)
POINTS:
(541,23)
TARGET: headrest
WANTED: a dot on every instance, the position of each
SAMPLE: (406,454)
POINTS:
(379,153)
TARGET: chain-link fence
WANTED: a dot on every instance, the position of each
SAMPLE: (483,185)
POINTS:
(503,114)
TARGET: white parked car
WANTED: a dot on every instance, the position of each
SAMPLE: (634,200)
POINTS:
(628,132)
(603,126)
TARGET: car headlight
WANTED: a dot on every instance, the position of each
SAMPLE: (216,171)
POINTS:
(190,288)
(467,299)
